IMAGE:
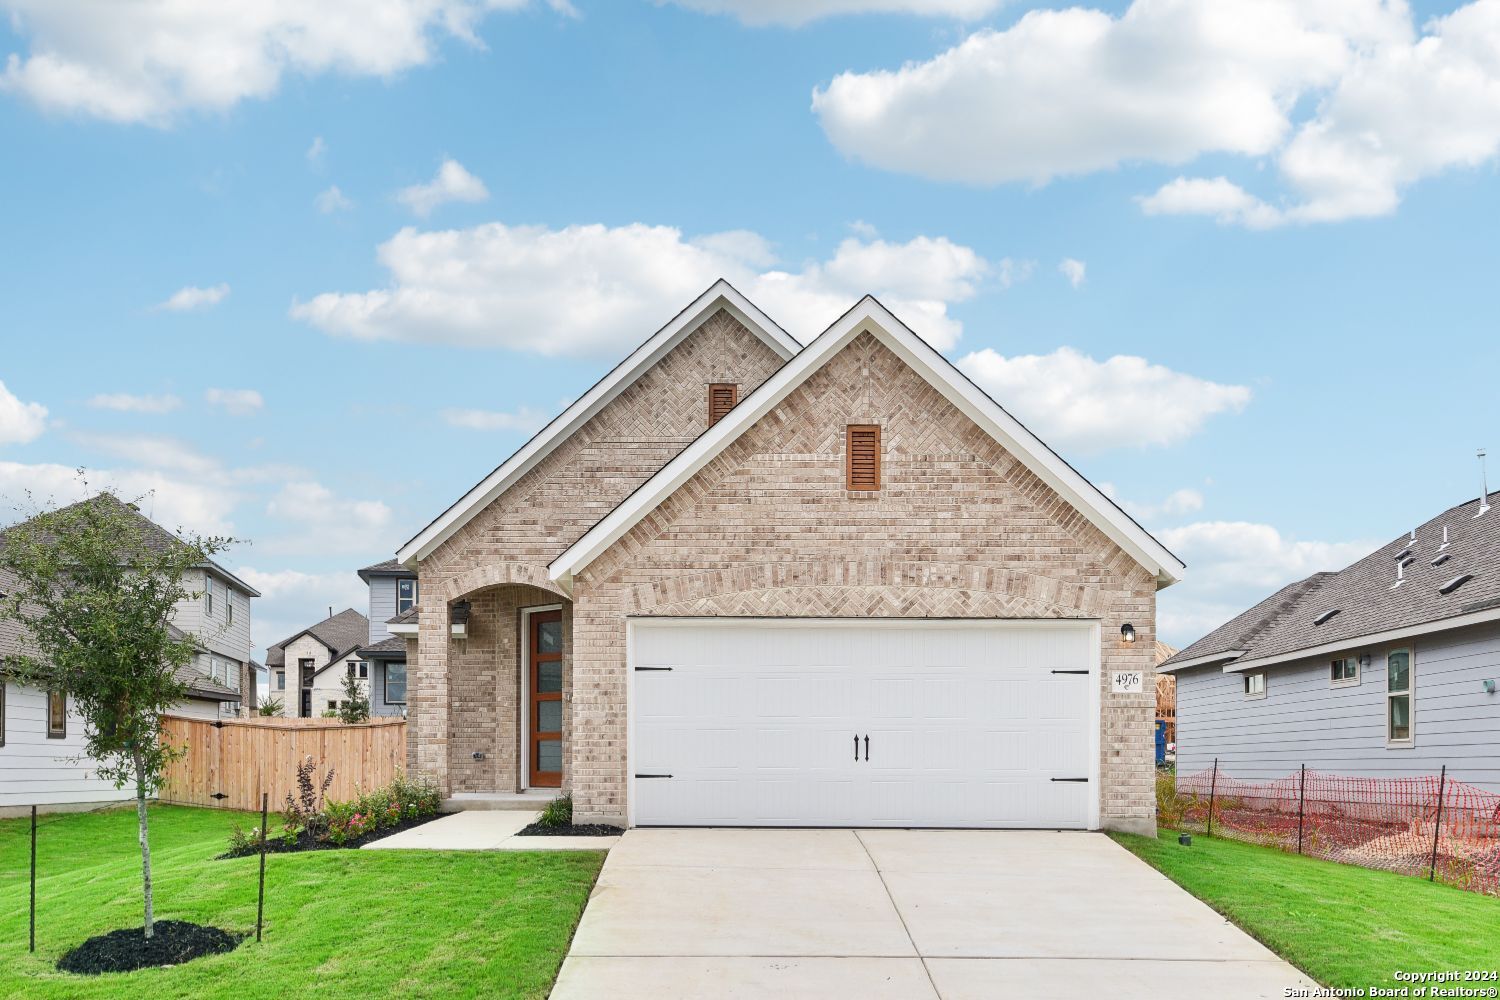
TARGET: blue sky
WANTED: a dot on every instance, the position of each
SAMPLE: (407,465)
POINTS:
(1288,217)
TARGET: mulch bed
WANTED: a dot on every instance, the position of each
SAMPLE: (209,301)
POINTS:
(172,943)
(307,842)
(570,830)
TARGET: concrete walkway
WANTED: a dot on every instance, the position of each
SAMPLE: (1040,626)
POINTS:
(484,830)
(902,914)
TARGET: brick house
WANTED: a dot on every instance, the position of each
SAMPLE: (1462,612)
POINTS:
(742,581)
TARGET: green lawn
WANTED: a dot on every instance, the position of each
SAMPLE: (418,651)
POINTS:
(1344,926)
(359,924)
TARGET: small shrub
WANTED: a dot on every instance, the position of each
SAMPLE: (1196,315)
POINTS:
(355,706)
(415,798)
(306,811)
(241,839)
(270,707)
(1169,805)
(558,812)
(343,822)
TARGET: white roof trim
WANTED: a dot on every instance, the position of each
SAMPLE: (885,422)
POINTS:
(1369,639)
(1200,661)
(720,295)
(869,314)
(402,629)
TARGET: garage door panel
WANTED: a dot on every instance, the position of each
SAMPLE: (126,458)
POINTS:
(758,724)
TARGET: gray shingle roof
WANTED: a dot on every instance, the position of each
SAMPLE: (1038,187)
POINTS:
(341,633)
(405,617)
(393,648)
(389,567)
(1363,595)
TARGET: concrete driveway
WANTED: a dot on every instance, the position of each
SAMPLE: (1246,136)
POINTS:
(901,913)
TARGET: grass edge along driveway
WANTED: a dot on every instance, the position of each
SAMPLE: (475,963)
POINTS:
(355,924)
(1344,926)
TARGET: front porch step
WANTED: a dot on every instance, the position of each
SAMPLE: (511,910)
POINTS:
(532,799)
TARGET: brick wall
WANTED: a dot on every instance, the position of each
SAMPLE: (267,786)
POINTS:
(463,694)
(960,528)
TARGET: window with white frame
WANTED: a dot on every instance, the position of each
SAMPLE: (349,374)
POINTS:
(1344,672)
(1255,685)
(406,595)
(281,680)
(364,670)
(57,714)
(1398,696)
(395,683)
(2,711)
(228,605)
(231,675)
(208,596)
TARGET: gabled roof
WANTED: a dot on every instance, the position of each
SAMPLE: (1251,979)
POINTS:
(1442,586)
(340,633)
(393,648)
(869,315)
(721,295)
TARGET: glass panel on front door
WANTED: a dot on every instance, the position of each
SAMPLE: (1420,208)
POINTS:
(545,708)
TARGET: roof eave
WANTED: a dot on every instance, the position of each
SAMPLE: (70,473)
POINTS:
(1206,660)
(1368,639)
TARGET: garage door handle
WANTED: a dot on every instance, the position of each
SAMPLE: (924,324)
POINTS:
(867,748)
(653,775)
(856,748)
(1070,779)
(1055,671)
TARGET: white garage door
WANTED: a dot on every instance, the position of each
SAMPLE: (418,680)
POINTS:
(841,722)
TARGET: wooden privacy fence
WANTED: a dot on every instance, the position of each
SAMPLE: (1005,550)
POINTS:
(229,762)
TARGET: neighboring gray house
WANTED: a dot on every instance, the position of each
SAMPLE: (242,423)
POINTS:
(308,668)
(1386,668)
(393,597)
(41,732)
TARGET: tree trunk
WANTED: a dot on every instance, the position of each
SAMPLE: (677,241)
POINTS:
(140,812)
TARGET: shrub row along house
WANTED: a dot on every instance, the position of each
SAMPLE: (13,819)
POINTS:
(1387,668)
(745,581)
(41,734)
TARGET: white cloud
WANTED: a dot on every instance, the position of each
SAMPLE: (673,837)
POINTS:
(452,183)
(798,12)
(20,422)
(172,499)
(124,402)
(238,402)
(1074,402)
(1351,101)
(1013,272)
(594,289)
(317,150)
(1074,270)
(1175,504)
(332,200)
(864,230)
(524,419)
(191,297)
(153,60)
(1234,565)
(321,521)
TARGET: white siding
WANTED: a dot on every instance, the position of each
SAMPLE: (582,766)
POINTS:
(1304,719)
(36,770)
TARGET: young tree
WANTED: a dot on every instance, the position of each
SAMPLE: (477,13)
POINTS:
(94,586)
(271,707)
(355,706)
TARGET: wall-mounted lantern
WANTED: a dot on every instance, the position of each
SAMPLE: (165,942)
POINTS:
(458,620)
(1127,632)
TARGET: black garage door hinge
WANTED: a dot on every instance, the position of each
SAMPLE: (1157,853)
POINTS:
(1070,779)
(653,775)
(1070,671)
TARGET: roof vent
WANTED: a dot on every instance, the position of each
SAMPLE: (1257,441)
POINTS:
(1400,576)
(1442,558)
(1445,539)
(1484,486)
(1325,616)
(1402,555)
(1455,583)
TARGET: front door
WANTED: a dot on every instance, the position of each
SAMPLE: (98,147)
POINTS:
(544,708)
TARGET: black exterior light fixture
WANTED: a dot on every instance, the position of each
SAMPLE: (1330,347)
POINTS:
(458,619)
(1127,632)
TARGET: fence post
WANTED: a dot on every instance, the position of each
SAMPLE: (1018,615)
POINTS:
(1301,805)
(31,939)
(265,835)
(1213,787)
(1437,826)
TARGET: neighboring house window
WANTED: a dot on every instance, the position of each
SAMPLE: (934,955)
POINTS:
(231,675)
(1345,671)
(208,597)
(862,457)
(1255,685)
(406,595)
(333,706)
(364,670)
(1398,696)
(228,606)
(281,680)
(721,399)
(57,714)
(395,683)
(351,668)
(2,711)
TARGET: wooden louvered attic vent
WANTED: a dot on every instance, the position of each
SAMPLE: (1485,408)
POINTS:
(721,399)
(862,446)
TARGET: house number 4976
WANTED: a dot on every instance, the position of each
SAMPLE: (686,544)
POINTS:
(1126,682)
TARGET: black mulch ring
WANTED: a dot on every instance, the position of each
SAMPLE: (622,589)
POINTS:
(570,830)
(172,943)
(307,842)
